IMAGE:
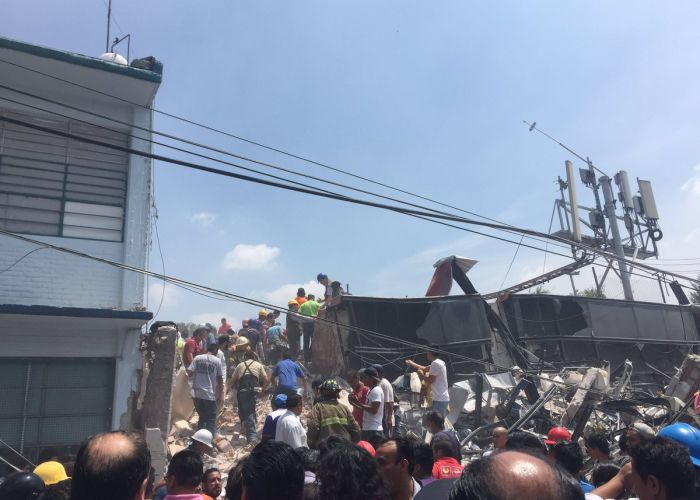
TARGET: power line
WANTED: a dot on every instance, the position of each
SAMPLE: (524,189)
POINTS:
(331,195)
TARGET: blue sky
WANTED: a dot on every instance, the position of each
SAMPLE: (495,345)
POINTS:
(429,97)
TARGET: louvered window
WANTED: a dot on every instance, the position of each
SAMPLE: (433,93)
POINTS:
(55,186)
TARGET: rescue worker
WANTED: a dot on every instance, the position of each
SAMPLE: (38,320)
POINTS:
(329,417)
(246,378)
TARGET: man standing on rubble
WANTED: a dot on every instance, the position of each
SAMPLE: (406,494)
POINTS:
(207,387)
(194,346)
(293,327)
(373,409)
(287,372)
(309,311)
(247,376)
(436,375)
(329,417)
(388,390)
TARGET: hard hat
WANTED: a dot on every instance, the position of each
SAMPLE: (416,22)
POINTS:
(242,340)
(557,434)
(262,312)
(21,486)
(203,436)
(687,435)
(51,472)
(329,385)
(292,303)
(321,276)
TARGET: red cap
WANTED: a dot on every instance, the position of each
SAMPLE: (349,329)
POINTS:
(557,434)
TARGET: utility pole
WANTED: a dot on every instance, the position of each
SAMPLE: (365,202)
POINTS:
(606,185)
(109,18)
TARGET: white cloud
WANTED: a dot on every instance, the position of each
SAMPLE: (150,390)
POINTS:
(281,295)
(171,296)
(204,219)
(692,185)
(250,257)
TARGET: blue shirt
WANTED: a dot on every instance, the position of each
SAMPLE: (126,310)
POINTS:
(287,372)
(586,487)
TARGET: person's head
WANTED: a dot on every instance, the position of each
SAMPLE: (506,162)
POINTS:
(223,321)
(57,491)
(329,389)
(287,355)
(212,348)
(293,305)
(353,379)
(557,434)
(434,421)
(315,386)
(512,475)
(349,472)
(395,458)
(51,472)
(379,368)
(200,333)
(262,314)
(569,456)
(279,401)
(249,355)
(234,482)
(423,460)
(322,278)
(598,446)
(310,458)
(273,471)
(661,469)
(331,442)
(295,403)
(202,441)
(433,352)
(499,435)
(369,377)
(211,482)
(311,296)
(185,472)
(442,447)
(224,341)
(637,433)
(111,466)
(603,472)
(244,323)
(526,441)
(301,292)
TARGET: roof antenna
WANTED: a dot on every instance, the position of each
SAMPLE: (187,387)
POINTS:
(109,18)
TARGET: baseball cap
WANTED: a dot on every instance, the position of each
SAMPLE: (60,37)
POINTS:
(280,401)
(378,367)
(372,373)
(321,276)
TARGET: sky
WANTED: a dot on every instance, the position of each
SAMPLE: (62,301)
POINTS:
(427,97)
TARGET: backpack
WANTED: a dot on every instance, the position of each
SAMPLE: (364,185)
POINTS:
(270,427)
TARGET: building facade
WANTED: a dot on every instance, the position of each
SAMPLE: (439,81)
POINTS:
(70,326)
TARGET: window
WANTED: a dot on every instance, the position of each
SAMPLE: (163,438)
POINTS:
(56,186)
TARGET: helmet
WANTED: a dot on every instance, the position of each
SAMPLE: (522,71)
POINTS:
(292,303)
(687,435)
(262,312)
(203,436)
(320,277)
(557,434)
(51,472)
(21,486)
(329,385)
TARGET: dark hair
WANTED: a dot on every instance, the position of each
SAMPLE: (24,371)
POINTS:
(186,468)
(423,456)
(485,481)
(404,450)
(316,383)
(101,472)
(57,491)
(598,441)
(293,400)
(521,440)
(569,456)
(435,417)
(249,355)
(311,296)
(213,348)
(205,476)
(301,292)
(234,482)
(603,472)
(669,462)
(622,443)
(309,458)
(330,443)
(273,471)
(224,339)
(287,355)
(444,445)
(349,473)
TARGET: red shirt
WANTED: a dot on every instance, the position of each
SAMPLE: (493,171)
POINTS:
(300,300)
(361,395)
(224,328)
(447,467)
(191,347)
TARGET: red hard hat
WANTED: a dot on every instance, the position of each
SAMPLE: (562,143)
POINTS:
(557,434)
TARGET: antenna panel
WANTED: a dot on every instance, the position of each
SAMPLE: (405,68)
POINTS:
(648,201)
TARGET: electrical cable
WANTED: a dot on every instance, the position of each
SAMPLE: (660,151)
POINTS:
(258,303)
(18,454)
(258,144)
(510,266)
(20,260)
(336,196)
(209,148)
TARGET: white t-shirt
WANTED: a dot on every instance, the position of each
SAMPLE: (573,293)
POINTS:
(206,369)
(439,385)
(222,358)
(388,391)
(373,421)
(289,430)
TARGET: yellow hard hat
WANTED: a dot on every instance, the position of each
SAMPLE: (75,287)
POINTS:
(292,303)
(262,312)
(51,472)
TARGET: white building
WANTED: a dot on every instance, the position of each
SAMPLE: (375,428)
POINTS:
(70,326)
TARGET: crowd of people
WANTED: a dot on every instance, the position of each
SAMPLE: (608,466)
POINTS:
(355,452)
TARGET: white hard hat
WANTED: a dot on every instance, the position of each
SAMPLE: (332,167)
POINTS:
(203,436)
